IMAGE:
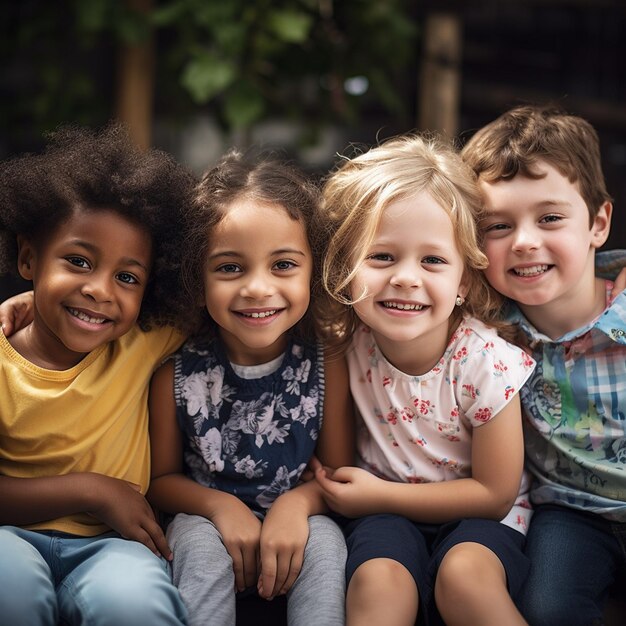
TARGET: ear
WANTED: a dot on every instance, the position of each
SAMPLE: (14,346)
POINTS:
(464,286)
(25,257)
(601,225)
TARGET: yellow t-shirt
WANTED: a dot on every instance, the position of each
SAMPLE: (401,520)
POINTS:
(90,418)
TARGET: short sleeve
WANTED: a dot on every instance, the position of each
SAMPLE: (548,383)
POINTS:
(162,342)
(492,374)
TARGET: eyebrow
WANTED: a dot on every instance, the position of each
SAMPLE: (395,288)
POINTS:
(238,255)
(127,260)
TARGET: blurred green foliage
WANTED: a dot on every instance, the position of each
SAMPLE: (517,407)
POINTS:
(241,60)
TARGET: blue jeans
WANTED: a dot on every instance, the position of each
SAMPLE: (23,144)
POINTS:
(574,557)
(49,578)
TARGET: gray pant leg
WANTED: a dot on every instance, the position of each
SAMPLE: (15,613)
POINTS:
(202,570)
(319,593)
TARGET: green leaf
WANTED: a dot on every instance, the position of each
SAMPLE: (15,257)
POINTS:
(206,76)
(243,106)
(289,26)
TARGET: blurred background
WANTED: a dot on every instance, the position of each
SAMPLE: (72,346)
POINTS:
(309,77)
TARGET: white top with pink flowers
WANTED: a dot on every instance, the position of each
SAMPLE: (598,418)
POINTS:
(419,428)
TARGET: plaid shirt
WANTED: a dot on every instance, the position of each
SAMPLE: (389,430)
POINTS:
(575,409)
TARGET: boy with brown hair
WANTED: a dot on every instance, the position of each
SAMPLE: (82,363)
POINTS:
(548,212)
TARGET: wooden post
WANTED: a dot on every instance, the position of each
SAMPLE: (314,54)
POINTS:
(440,80)
(135,83)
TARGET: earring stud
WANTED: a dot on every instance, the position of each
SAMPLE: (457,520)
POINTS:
(459,301)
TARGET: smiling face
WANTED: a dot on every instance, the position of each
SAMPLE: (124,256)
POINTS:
(541,246)
(412,274)
(257,279)
(89,277)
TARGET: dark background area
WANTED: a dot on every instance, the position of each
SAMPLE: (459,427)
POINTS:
(61,63)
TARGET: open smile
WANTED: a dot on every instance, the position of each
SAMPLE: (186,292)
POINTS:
(261,314)
(403,306)
(258,317)
(86,317)
(531,270)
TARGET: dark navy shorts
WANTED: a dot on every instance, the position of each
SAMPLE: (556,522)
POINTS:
(420,548)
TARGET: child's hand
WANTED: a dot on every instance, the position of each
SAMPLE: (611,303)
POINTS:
(283,539)
(241,534)
(351,491)
(16,312)
(619,284)
(120,505)
(309,470)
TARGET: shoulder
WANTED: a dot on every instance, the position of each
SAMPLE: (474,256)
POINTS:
(159,341)
(482,353)
(613,321)
(361,344)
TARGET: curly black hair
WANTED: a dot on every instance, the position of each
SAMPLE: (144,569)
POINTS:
(264,177)
(82,168)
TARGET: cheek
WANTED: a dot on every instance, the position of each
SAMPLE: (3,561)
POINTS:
(495,252)
(132,305)
(215,297)
(364,282)
(305,296)
(362,310)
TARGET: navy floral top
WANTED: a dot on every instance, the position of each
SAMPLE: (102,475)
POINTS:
(248,437)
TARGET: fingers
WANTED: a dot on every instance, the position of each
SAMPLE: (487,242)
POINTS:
(244,567)
(159,541)
(22,317)
(250,567)
(144,537)
(297,559)
(315,464)
(267,579)
(151,535)
(279,571)
(327,483)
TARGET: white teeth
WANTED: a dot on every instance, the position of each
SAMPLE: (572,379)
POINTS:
(403,307)
(531,271)
(260,313)
(83,316)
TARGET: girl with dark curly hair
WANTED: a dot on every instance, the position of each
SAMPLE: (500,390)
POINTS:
(95,225)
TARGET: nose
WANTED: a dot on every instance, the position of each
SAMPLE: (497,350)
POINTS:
(259,285)
(97,287)
(407,275)
(525,239)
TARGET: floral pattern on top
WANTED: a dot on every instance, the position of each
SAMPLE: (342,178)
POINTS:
(248,437)
(418,429)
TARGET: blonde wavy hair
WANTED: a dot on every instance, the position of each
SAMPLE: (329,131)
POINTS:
(355,197)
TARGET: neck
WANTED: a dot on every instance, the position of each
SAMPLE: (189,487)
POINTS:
(565,315)
(29,345)
(418,356)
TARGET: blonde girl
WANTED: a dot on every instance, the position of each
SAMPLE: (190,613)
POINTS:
(437,505)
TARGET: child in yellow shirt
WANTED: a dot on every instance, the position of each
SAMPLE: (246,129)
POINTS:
(93,223)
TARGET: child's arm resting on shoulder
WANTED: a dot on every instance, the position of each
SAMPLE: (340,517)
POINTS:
(607,265)
(115,502)
(173,492)
(497,463)
(16,312)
